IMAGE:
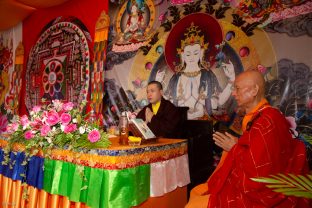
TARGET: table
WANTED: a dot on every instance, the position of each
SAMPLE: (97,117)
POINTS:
(119,176)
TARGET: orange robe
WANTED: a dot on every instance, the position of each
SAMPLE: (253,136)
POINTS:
(266,147)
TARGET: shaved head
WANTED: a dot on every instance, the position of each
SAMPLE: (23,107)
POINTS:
(255,78)
(249,89)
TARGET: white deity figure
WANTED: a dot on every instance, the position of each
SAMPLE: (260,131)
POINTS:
(135,23)
(194,84)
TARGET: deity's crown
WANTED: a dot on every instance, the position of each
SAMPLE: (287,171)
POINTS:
(191,37)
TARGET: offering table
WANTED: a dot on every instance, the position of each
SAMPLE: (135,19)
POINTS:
(119,176)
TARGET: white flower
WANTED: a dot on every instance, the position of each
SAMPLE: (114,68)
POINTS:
(62,127)
(58,105)
(82,129)
(74,120)
(49,140)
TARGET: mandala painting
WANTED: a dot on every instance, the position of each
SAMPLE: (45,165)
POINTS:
(59,63)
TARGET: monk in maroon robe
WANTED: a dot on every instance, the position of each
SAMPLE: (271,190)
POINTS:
(161,116)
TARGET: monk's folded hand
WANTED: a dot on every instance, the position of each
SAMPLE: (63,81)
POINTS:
(225,141)
(148,115)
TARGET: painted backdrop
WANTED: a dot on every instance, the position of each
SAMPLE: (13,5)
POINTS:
(196,49)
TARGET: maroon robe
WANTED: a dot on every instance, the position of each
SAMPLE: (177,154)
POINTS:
(166,122)
(266,148)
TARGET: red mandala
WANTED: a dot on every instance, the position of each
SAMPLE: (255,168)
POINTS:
(58,65)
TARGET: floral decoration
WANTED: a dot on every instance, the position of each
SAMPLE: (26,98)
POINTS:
(52,126)
(56,125)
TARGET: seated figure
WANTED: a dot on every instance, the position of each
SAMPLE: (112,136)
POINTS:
(266,147)
(161,116)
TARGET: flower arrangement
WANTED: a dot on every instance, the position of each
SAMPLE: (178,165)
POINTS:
(57,125)
(51,126)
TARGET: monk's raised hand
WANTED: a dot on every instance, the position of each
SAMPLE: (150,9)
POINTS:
(148,115)
(225,141)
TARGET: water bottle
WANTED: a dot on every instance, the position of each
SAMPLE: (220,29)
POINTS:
(123,129)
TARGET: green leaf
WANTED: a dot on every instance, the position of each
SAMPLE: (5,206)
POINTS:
(266,180)
(174,12)
(145,49)
(237,20)
(154,39)
(248,29)
(286,189)
(290,184)
(299,194)
(278,186)
(221,11)
(167,27)
(306,180)
(209,9)
(303,181)
(291,181)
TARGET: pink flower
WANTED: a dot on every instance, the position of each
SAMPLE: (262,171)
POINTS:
(45,114)
(28,135)
(162,17)
(24,121)
(3,123)
(292,125)
(36,124)
(292,122)
(65,118)
(36,108)
(53,118)
(68,106)
(11,128)
(45,129)
(70,128)
(262,69)
(94,136)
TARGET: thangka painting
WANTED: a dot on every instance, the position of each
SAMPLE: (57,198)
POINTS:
(133,25)
(59,63)
(197,49)
(11,66)
(196,61)
(196,52)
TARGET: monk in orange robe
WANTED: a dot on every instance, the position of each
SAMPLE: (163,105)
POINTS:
(265,148)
